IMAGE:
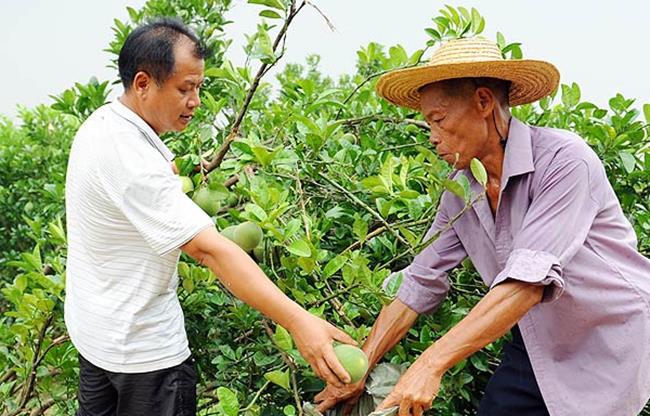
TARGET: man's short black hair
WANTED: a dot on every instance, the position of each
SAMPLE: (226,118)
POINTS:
(150,48)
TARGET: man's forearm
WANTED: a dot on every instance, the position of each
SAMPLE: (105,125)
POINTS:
(492,317)
(393,323)
(243,278)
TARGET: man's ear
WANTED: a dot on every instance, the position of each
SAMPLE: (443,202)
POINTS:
(485,100)
(141,83)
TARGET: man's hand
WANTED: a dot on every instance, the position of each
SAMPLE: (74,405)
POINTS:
(415,390)
(314,339)
(332,395)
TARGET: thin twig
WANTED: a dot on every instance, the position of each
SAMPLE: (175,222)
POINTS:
(327,20)
(380,230)
(29,386)
(234,131)
(43,407)
(257,395)
(378,117)
(301,199)
(338,307)
(332,296)
(289,361)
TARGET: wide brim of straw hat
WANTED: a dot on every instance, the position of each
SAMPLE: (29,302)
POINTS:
(530,80)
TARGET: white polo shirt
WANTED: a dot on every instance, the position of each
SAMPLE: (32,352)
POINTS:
(127,216)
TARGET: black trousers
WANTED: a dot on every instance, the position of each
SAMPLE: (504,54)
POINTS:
(513,390)
(167,392)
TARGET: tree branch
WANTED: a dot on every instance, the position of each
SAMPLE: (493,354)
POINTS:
(234,131)
(287,360)
(377,117)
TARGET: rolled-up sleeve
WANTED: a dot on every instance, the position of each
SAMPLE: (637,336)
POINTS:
(425,284)
(555,226)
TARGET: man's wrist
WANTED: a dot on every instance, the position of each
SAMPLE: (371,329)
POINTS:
(431,358)
(295,318)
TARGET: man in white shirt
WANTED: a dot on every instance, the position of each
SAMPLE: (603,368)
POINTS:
(128,220)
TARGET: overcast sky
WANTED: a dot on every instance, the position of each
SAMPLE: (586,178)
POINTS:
(46,46)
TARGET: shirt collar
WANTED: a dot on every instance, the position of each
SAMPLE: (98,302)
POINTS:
(518,158)
(144,128)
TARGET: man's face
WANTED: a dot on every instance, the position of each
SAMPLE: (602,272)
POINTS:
(459,131)
(170,107)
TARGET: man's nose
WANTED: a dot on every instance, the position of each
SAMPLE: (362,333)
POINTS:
(434,139)
(195,100)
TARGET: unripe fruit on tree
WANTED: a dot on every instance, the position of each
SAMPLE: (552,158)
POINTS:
(353,359)
(248,235)
(186,183)
(207,199)
(229,232)
(258,252)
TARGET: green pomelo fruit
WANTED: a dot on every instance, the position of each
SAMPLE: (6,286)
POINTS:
(186,182)
(229,232)
(353,359)
(208,200)
(248,235)
(258,252)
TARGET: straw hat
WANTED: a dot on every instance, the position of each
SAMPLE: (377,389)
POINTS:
(469,58)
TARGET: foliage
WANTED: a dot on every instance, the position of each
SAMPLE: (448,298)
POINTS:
(343,184)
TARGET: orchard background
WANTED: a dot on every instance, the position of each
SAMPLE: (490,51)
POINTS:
(343,184)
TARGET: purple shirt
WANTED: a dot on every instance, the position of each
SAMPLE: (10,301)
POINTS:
(558,224)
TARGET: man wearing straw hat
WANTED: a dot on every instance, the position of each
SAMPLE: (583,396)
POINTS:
(550,241)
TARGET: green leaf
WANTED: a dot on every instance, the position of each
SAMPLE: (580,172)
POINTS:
(476,19)
(281,378)
(262,47)
(183,269)
(263,155)
(454,187)
(454,14)
(271,14)
(501,40)
(257,212)
(478,171)
(360,228)
(275,4)
(481,26)
(464,182)
(334,265)
(463,11)
(300,248)
(21,283)
(188,284)
(646,112)
(629,161)
(57,232)
(394,283)
(433,33)
(289,410)
(228,401)
(283,338)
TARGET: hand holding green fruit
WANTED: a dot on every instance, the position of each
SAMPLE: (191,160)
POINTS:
(353,359)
